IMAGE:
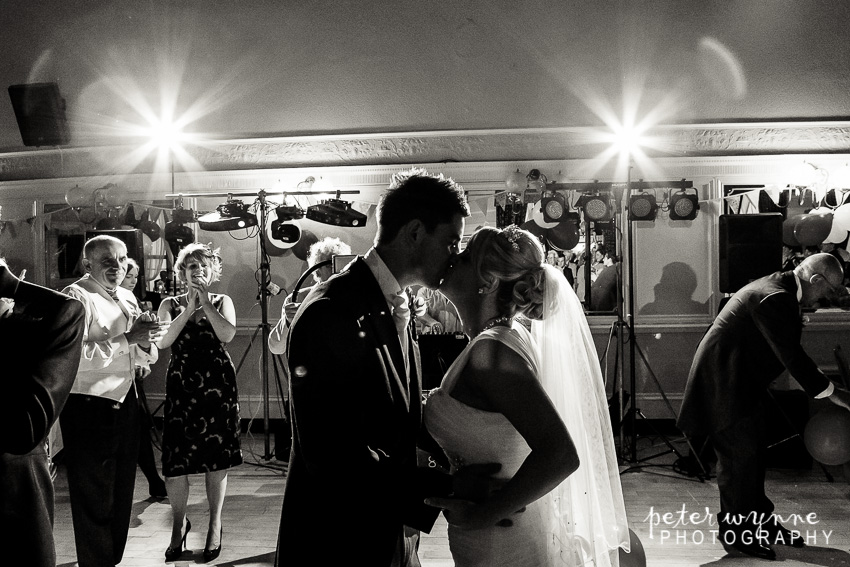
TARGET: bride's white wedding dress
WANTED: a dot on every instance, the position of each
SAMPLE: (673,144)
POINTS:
(581,522)
(469,436)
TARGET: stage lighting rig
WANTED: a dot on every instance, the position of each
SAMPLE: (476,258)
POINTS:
(289,212)
(231,215)
(336,212)
(182,216)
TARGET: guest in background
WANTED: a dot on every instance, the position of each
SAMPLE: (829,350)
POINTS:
(319,252)
(569,267)
(147,462)
(41,333)
(100,426)
(598,265)
(755,337)
(439,314)
(603,291)
(201,433)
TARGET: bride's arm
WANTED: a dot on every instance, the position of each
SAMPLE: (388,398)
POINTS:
(504,383)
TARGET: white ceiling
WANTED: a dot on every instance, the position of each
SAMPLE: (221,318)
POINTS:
(262,68)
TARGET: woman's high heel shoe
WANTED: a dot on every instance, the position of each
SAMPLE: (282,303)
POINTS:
(210,554)
(172,554)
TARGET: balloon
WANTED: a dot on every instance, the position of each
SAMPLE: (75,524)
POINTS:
(115,196)
(535,229)
(564,236)
(827,436)
(788,226)
(302,247)
(837,234)
(87,215)
(108,223)
(78,197)
(537,216)
(516,181)
(636,556)
(812,229)
(841,217)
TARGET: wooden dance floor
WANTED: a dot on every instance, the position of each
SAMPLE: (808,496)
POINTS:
(255,489)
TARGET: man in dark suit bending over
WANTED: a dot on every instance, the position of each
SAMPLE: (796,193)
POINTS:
(355,391)
(754,338)
(41,333)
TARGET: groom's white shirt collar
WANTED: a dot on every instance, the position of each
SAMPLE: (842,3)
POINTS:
(386,280)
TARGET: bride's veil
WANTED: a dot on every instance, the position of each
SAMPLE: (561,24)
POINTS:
(586,512)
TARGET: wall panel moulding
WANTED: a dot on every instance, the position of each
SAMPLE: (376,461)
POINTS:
(690,140)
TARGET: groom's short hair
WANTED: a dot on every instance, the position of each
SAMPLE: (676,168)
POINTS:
(416,194)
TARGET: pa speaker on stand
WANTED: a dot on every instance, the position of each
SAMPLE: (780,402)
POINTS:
(750,248)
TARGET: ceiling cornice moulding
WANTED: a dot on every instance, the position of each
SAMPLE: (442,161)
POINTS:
(689,140)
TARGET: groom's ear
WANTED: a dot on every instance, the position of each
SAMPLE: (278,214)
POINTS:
(414,231)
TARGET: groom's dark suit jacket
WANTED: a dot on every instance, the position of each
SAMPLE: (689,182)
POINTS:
(40,347)
(754,338)
(352,480)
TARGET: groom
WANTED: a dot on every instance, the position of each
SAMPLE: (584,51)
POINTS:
(355,392)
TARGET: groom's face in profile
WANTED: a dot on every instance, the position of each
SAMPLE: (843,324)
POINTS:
(437,250)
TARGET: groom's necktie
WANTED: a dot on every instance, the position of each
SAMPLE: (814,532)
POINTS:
(401,318)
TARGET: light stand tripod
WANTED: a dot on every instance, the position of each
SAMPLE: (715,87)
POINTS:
(263,296)
(621,326)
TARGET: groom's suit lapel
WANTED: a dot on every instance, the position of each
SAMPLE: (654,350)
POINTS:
(378,322)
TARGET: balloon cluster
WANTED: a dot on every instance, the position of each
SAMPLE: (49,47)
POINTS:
(818,226)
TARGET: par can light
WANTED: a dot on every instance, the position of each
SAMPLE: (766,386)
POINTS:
(683,206)
(643,207)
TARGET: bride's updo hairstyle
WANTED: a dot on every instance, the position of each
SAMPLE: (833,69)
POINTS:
(513,257)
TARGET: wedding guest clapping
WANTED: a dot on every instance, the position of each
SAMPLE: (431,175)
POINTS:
(201,433)
(100,427)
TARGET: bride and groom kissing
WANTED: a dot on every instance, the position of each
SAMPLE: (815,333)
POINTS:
(521,416)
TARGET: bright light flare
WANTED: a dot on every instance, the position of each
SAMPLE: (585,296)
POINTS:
(165,135)
(626,136)
(628,140)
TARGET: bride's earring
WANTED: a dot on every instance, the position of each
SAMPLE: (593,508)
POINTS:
(481,290)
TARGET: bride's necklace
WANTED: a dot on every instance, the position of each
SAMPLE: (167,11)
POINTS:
(497,321)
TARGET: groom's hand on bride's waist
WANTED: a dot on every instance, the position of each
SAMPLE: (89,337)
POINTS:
(466,505)
(476,482)
(470,515)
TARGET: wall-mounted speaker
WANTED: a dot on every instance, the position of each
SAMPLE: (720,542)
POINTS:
(40,111)
(750,248)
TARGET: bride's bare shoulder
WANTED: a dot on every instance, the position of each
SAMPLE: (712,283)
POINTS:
(496,356)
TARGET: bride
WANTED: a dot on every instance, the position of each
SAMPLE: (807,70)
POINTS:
(533,402)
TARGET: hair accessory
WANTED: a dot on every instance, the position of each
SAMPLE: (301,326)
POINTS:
(512,234)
